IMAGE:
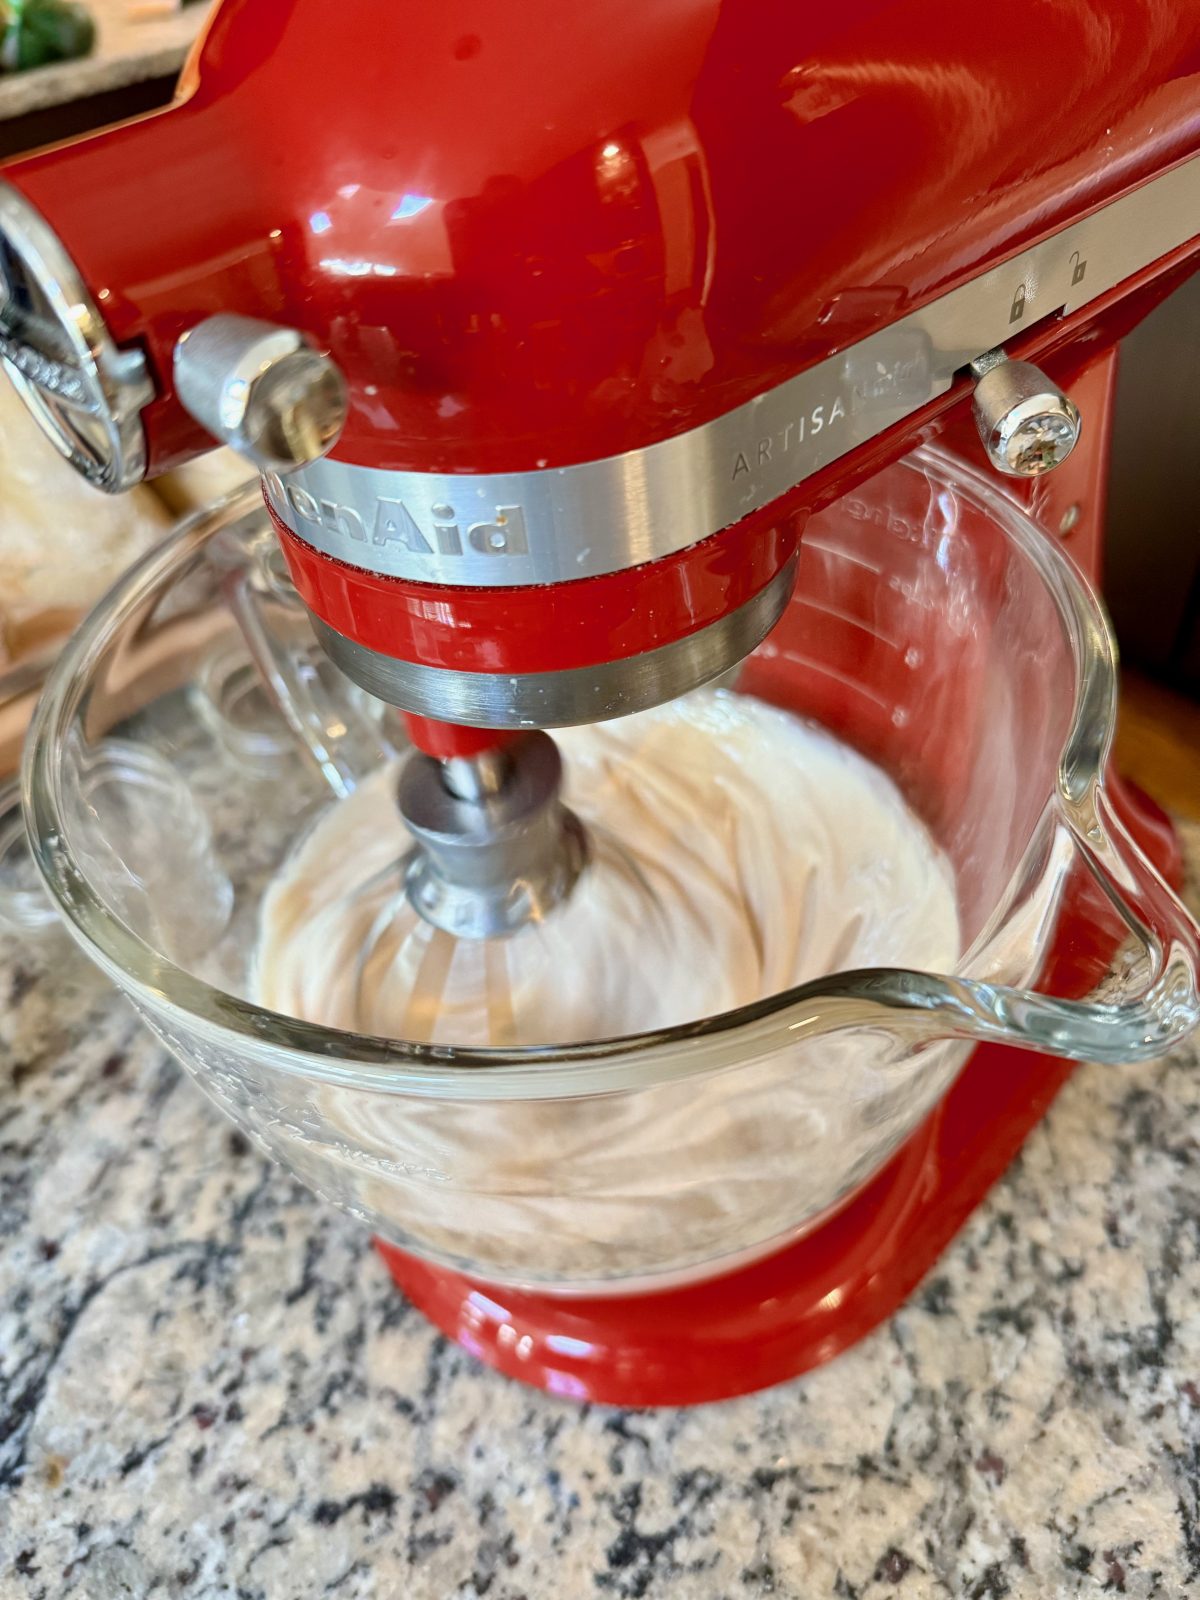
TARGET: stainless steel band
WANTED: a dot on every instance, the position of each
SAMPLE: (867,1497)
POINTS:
(602,516)
(563,698)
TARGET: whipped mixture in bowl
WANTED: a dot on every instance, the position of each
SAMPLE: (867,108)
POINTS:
(736,851)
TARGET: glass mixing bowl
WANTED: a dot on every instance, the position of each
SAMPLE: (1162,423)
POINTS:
(192,731)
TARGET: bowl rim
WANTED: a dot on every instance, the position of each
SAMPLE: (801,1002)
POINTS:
(169,997)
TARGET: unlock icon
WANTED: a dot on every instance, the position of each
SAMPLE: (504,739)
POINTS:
(1078,268)
(1018,304)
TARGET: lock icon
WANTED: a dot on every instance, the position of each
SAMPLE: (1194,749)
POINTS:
(1078,268)
(1018,305)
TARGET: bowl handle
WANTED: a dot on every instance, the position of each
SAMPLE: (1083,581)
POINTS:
(1140,968)
(1149,999)
(346,735)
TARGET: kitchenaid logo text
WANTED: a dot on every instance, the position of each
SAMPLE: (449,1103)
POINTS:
(773,446)
(393,525)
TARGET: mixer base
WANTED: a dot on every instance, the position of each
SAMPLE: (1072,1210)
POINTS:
(775,1319)
(780,1316)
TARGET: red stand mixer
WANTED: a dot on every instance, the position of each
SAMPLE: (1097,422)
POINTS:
(549,330)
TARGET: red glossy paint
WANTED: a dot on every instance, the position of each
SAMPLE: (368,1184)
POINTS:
(448,739)
(543,628)
(540,234)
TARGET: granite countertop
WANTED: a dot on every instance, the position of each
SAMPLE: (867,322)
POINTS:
(208,1387)
(133,43)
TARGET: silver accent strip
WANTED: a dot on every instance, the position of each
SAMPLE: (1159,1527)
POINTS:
(571,696)
(603,516)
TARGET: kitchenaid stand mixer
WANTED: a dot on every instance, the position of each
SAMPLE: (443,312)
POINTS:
(548,334)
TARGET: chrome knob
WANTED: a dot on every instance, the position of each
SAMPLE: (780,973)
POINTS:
(1027,424)
(261,389)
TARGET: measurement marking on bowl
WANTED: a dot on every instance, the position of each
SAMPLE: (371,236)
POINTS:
(842,555)
(839,615)
(844,678)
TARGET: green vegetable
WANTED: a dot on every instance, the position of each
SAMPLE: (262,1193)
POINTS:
(37,32)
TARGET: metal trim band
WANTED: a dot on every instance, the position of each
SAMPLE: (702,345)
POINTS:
(571,695)
(553,525)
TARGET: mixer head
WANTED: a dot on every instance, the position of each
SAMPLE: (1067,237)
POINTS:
(547,350)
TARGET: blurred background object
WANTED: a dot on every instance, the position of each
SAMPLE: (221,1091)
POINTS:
(61,542)
(131,65)
(36,33)
(1153,553)
(201,481)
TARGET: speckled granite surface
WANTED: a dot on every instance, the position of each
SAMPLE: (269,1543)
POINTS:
(208,1388)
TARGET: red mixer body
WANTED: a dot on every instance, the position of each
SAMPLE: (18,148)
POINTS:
(426,189)
(537,237)
(533,236)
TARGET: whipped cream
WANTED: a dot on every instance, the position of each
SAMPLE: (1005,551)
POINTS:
(737,852)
